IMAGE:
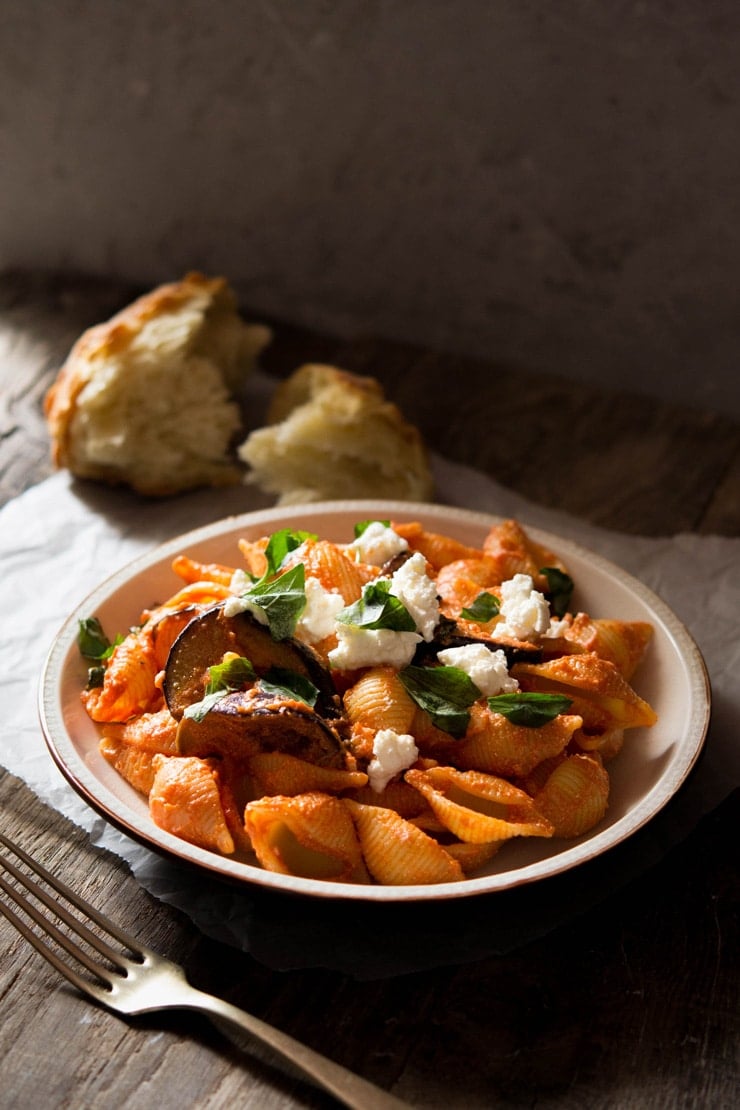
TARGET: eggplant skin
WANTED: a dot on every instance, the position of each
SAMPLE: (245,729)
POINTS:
(245,722)
(205,640)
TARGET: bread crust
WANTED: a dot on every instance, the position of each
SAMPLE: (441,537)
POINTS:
(334,434)
(112,343)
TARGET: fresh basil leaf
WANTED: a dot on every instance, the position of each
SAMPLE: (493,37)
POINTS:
(378,608)
(446,693)
(224,677)
(485,607)
(280,545)
(363,525)
(95,677)
(280,680)
(232,674)
(559,589)
(531,710)
(282,600)
(92,640)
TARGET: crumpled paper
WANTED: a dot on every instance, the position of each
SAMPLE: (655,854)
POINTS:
(61,538)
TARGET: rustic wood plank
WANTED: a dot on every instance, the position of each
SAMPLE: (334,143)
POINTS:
(631,1000)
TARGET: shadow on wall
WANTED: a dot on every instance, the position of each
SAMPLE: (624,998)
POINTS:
(554,186)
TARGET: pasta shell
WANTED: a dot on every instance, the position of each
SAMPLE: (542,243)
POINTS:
(606,744)
(513,552)
(624,643)
(129,684)
(478,808)
(190,570)
(184,800)
(575,796)
(495,745)
(472,856)
(437,549)
(397,795)
(397,852)
(281,773)
(310,835)
(334,570)
(600,694)
(149,732)
(253,553)
(379,700)
(133,764)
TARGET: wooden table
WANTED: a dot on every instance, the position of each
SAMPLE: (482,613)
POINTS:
(633,1003)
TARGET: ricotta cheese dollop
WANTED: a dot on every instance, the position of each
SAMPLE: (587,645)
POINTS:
(392,752)
(524,609)
(487,669)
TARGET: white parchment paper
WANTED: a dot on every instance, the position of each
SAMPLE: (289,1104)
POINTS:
(61,538)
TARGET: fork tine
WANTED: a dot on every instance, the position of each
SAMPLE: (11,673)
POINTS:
(85,985)
(31,887)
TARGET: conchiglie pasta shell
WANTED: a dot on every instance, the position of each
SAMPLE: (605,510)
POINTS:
(132,764)
(495,745)
(280,773)
(397,853)
(575,796)
(600,694)
(310,835)
(472,856)
(184,800)
(336,571)
(624,643)
(397,795)
(478,808)
(513,552)
(606,744)
(438,550)
(149,732)
(379,700)
(129,683)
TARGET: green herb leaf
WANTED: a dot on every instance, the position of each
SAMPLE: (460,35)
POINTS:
(559,589)
(485,607)
(280,680)
(233,674)
(378,608)
(95,677)
(282,600)
(280,545)
(531,710)
(446,693)
(363,525)
(92,640)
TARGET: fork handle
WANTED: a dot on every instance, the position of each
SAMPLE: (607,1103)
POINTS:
(350,1089)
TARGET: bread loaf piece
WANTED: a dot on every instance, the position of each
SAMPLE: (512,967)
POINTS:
(147,398)
(334,435)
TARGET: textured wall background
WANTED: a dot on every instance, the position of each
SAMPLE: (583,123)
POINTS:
(554,184)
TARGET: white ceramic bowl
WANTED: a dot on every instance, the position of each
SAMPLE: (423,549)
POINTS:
(650,769)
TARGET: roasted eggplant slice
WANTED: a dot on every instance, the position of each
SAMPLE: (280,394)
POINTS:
(204,642)
(245,722)
(449,634)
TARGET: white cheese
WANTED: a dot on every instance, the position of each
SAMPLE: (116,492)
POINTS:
(524,609)
(418,593)
(392,752)
(377,544)
(370,647)
(487,669)
(318,619)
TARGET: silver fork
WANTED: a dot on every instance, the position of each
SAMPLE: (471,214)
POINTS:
(139,981)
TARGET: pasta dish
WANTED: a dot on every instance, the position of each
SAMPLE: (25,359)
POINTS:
(391,709)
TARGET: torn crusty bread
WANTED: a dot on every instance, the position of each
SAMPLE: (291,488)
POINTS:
(147,399)
(332,434)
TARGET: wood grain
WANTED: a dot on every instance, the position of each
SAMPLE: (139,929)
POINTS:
(632,1003)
